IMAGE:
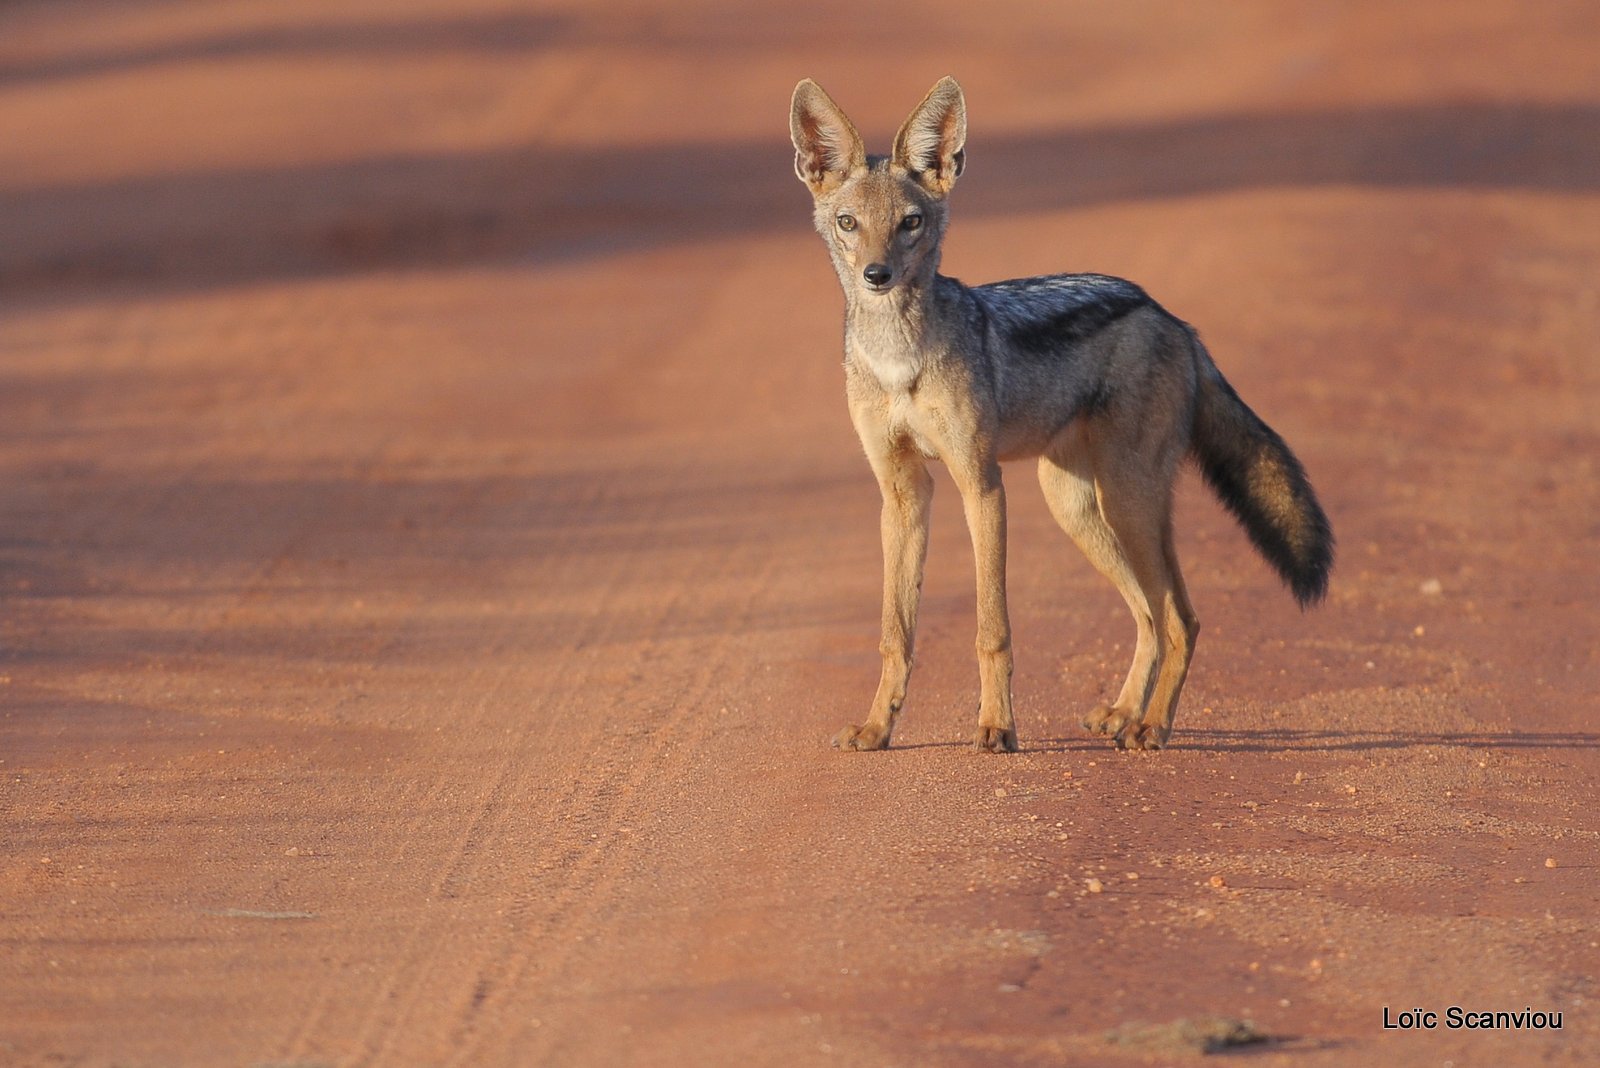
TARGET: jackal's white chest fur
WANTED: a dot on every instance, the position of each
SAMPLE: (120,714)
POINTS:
(895,367)
(886,343)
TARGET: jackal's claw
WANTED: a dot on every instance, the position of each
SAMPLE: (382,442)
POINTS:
(862,738)
(1147,737)
(1105,719)
(996,739)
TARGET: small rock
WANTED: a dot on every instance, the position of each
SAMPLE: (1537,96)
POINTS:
(1217,881)
(1550,862)
(1094,886)
(1431,587)
(1190,1035)
(999,791)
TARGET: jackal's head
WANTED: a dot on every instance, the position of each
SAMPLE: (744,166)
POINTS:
(883,217)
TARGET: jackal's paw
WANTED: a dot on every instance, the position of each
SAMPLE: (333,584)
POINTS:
(1107,720)
(1143,736)
(996,739)
(862,738)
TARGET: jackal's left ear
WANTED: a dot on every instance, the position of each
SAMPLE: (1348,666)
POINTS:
(827,148)
(932,143)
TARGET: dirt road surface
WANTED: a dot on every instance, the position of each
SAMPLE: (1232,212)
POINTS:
(434,552)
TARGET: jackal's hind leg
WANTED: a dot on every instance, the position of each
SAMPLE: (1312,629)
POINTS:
(1122,523)
(1070,492)
(1180,628)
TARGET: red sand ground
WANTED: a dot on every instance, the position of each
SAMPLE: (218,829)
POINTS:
(434,552)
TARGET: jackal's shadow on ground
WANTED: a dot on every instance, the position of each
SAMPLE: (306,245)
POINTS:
(1279,740)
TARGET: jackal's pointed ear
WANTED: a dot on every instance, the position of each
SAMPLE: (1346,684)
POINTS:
(932,143)
(826,146)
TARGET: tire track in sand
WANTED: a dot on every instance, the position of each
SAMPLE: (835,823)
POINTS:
(601,763)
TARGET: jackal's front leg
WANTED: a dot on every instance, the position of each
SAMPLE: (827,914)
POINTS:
(907,496)
(984,499)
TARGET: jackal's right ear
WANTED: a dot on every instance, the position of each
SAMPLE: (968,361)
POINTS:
(826,146)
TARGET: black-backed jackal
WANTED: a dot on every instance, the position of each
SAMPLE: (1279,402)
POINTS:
(1085,372)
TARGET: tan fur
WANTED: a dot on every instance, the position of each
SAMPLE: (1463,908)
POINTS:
(1107,390)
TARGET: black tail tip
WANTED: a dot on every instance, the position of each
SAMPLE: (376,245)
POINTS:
(1310,591)
(1308,580)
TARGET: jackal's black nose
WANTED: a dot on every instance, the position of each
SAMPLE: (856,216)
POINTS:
(877,274)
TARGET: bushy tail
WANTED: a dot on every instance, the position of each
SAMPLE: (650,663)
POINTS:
(1259,480)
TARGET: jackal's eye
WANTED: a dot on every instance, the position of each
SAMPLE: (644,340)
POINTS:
(847,223)
(911,222)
